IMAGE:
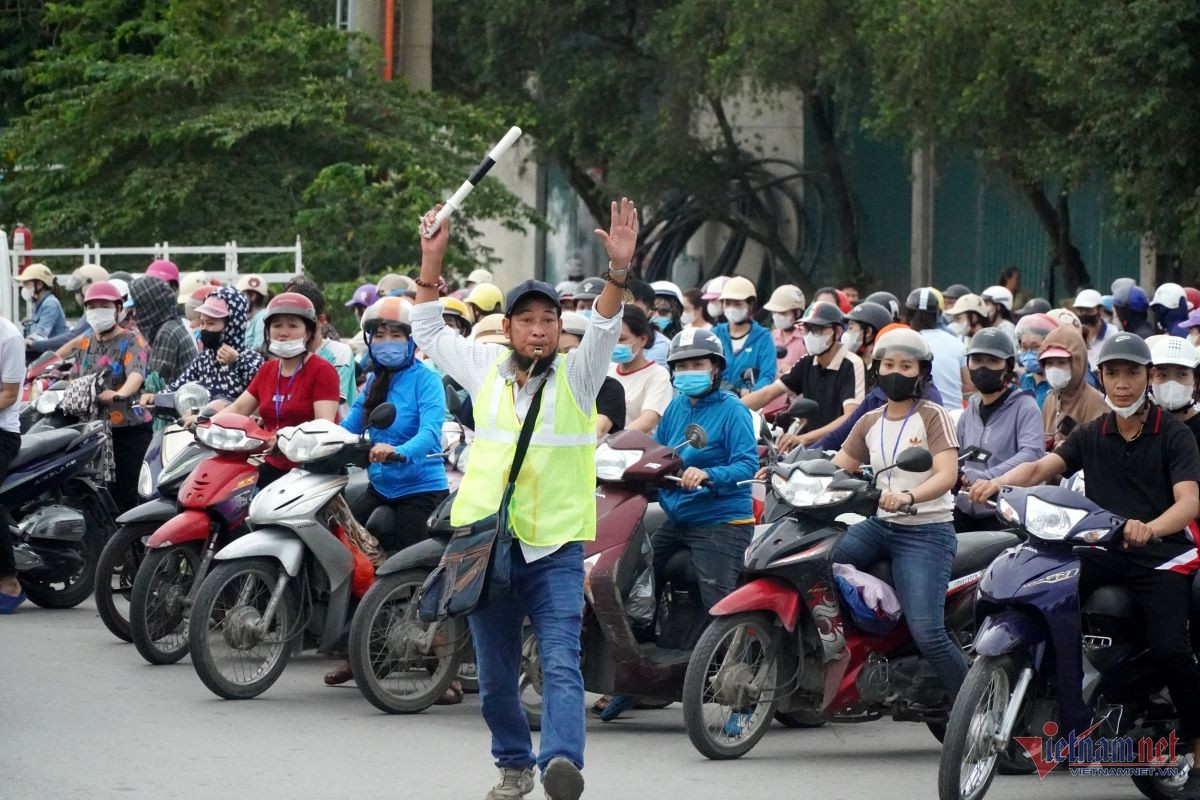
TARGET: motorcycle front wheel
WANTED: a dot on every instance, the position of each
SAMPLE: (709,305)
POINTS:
(158,613)
(398,664)
(729,692)
(231,653)
(115,572)
(970,757)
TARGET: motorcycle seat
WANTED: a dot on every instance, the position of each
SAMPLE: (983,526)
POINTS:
(679,571)
(35,446)
(976,549)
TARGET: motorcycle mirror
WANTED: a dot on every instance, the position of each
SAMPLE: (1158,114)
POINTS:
(974,455)
(750,376)
(803,407)
(453,403)
(696,436)
(915,459)
(382,416)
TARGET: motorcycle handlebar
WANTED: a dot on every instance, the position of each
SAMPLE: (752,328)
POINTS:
(907,508)
(395,457)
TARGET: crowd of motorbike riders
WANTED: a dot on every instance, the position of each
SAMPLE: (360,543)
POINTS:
(1098,380)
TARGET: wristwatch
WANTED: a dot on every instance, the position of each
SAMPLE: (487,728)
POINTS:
(619,277)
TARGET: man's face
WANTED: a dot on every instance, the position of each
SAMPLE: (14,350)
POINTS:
(851,294)
(1089,318)
(534,329)
(1124,382)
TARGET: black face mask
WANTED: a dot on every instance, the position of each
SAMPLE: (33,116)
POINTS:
(211,340)
(898,387)
(1089,319)
(987,380)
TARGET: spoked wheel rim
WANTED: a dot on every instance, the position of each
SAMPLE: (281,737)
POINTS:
(981,753)
(120,580)
(165,609)
(240,652)
(531,676)
(401,664)
(738,685)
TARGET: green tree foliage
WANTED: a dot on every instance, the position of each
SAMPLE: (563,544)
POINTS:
(203,121)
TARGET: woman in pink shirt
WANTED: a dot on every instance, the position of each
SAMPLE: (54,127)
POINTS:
(786,306)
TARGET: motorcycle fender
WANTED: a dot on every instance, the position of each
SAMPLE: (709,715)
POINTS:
(188,525)
(422,555)
(763,594)
(1010,631)
(150,511)
(277,543)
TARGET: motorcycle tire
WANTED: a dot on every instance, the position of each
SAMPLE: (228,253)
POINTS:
(213,599)
(530,679)
(1157,788)
(376,628)
(76,588)
(697,681)
(157,613)
(116,570)
(962,728)
(800,719)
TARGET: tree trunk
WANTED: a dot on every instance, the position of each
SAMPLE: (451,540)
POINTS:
(823,125)
(1056,219)
(588,190)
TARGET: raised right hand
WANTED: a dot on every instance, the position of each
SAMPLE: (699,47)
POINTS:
(436,245)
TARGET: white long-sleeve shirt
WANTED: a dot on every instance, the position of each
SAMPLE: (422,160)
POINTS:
(469,363)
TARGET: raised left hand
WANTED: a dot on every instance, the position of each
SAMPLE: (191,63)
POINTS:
(621,239)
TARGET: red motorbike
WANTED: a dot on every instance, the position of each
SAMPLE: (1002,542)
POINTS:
(213,504)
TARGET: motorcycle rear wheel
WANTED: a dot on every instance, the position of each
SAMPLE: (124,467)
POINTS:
(75,588)
(228,659)
(733,669)
(115,573)
(393,678)
(158,618)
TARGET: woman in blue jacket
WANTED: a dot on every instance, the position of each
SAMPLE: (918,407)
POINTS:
(403,493)
(749,350)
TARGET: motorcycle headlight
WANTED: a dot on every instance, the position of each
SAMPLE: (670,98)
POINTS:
(611,464)
(190,398)
(1048,521)
(47,401)
(230,440)
(300,445)
(145,482)
(800,490)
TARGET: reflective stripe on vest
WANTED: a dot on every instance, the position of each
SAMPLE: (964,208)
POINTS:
(555,500)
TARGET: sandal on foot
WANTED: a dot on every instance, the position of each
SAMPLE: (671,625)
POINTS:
(452,697)
(618,706)
(601,704)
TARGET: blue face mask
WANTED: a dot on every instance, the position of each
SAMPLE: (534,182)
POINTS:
(393,354)
(622,354)
(692,384)
(661,322)
(1029,360)
(587,312)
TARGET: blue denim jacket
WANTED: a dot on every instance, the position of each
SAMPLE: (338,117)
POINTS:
(48,319)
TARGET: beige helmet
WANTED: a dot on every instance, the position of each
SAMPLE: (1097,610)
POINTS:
(392,283)
(786,298)
(490,330)
(83,277)
(1065,318)
(36,272)
(739,288)
(969,302)
(190,282)
(574,323)
(252,283)
(480,276)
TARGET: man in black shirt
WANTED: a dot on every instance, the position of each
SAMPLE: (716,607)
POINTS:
(610,402)
(1143,464)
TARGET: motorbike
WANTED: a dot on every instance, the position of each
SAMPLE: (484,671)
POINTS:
(782,643)
(1041,658)
(291,574)
(210,511)
(45,381)
(59,515)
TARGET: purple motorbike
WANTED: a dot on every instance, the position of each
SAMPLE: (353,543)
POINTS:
(1046,666)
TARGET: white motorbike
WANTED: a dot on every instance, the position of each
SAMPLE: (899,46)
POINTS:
(291,574)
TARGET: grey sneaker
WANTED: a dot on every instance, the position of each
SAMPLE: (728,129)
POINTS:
(514,784)
(562,780)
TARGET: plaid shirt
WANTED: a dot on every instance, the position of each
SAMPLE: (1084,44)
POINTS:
(173,350)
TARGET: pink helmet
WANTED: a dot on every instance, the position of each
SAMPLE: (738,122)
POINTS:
(103,290)
(163,269)
(712,289)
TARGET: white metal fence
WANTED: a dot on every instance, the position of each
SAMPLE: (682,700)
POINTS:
(12,253)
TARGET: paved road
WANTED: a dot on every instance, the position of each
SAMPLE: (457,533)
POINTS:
(85,717)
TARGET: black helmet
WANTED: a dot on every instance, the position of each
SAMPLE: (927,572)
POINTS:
(871,314)
(955,291)
(589,288)
(1124,347)
(1035,305)
(696,343)
(992,342)
(887,300)
(823,314)
(924,299)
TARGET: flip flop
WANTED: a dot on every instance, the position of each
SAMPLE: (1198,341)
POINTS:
(9,602)
(452,697)
(601,704)
(618,706)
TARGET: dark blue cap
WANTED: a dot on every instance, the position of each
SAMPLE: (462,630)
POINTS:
(540,288)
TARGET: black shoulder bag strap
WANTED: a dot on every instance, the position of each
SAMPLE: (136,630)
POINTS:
(523,441)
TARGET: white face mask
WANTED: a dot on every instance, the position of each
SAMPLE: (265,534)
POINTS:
(783,322)
(960,328)
(851,340)
(686,318)
(27,293)
(101,319)
(715,309)
(736,315)
(1057,377)
(1172,395)
(817,344)
(1125,412)
(287,348)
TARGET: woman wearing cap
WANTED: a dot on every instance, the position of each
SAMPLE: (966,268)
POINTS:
(968,316)
(750,353)
(48,319)
(1173,379)
(1001,419)
(110,345)
(295,386)
(668,308)
(254,289)
(172,348)
(1071,402)
(1032,330)
(786,305)
(921,547)
(77,283)
(647,385)
(225,366)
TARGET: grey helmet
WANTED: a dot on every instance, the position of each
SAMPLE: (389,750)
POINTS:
(1035,305)
(696,343)
(871,314)
(1124,347)
(992,342)
(887,300)
(589,288)
(955,291)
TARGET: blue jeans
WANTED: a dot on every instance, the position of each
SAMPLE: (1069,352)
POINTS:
(550,592)
(921,557)
(716,553)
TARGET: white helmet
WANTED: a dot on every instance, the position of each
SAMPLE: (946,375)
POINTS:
(667,289)
(998,295)
(1173,350)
